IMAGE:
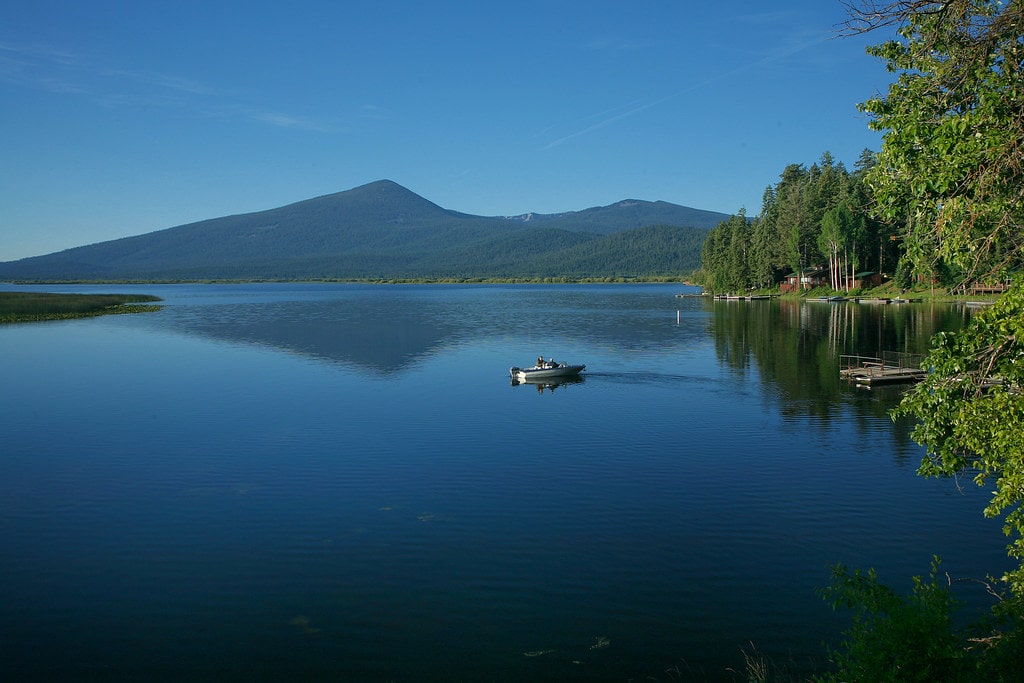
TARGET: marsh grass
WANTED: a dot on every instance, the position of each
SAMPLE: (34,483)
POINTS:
(35,306)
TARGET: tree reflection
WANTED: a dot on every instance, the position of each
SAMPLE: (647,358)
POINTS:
(795,345)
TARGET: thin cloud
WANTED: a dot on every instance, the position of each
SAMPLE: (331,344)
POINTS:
(797,44)
(606,120)
(286,121)
(27,52)
(375,112)
(164,82)
(40,67)
(63,72)
(767,18)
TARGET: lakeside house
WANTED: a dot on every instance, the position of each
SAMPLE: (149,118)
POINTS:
(866,280)
(808,278)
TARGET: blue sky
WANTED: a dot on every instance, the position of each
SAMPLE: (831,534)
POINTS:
(121,118)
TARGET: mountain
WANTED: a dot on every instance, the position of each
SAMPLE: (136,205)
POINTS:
(383,230)
(629,213)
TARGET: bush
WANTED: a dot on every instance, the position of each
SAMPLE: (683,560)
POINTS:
(912,638)
(904,275)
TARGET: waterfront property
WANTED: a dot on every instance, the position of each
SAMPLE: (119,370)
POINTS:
(890,368)
(808,278)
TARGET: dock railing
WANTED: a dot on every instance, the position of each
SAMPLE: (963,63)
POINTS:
(889,360)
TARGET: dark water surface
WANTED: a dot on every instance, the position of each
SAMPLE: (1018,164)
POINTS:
(339,482)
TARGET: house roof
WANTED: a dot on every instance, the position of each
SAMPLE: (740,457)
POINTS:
(809,272)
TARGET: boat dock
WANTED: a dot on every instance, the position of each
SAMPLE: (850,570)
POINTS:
(891,368)
(740,297)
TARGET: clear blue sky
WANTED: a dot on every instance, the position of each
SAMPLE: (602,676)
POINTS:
(121,118)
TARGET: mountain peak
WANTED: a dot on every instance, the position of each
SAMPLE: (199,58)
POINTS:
(385,193)
(380,229)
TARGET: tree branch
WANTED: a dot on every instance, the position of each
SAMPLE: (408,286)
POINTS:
(867,15)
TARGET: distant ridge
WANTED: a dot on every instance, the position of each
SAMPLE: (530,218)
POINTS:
(626,214)
(382,230)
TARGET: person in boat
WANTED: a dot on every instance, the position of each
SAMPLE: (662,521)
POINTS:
(552,363)
(540,361)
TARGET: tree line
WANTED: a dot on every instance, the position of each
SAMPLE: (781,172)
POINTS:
(813,217)
(903,212)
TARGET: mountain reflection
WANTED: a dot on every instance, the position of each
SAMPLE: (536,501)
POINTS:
(791,348)
(388,329)
(382,335)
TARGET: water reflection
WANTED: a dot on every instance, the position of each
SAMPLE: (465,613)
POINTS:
(792,347)
(385,335)
(390,329)
(796,345)
(549,383)
(332,512)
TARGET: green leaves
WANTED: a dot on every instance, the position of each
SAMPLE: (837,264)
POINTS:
(787,236)
(950,166)
(950,173)
(895,638)
(971,411)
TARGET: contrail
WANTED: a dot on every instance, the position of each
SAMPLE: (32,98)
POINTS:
(770,57)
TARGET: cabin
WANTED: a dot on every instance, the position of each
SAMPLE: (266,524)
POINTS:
(864,280)
(809,278)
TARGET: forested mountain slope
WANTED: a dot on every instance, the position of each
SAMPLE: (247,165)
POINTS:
(383,230)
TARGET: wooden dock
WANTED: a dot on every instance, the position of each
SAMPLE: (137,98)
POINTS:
(742,297)
(892,368)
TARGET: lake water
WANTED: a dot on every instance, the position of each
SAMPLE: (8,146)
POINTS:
(340,482)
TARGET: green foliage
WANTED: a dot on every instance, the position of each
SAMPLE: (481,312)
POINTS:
(895,638)
(837,228)
(724,256)
(949,179)
(915,637)
(950,169)
(788,235)
(904,276)
(971,411)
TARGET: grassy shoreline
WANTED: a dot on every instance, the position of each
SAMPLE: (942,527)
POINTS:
(887,291)
(19,307)
(611,279)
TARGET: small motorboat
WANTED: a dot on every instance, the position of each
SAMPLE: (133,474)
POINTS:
(545,369)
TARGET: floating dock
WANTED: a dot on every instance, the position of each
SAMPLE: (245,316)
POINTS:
(892,368)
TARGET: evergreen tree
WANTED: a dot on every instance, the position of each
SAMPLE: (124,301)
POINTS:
(767,258)
(787,236)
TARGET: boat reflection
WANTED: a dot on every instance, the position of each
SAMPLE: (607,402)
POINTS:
(549,383)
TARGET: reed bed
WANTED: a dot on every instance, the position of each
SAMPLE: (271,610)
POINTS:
(35,306)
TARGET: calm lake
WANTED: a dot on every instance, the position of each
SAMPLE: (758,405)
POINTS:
(340,482)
